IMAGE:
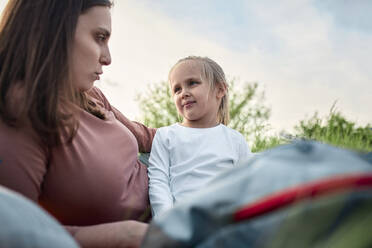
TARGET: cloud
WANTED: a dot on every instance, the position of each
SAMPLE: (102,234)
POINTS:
(316,63)
(297,50)
(306,54)
(144,46)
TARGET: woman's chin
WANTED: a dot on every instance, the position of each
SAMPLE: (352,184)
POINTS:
(86,87)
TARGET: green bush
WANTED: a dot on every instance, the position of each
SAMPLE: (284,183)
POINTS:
(336,130)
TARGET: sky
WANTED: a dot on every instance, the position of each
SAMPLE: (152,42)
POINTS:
(305,55)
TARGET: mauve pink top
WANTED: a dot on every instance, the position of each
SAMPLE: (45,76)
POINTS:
(95,179)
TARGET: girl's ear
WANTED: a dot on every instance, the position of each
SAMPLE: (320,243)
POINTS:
(221,90)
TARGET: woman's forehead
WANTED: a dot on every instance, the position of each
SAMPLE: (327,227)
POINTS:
(96,17)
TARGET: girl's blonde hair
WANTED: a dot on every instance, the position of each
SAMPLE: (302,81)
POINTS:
(214,75)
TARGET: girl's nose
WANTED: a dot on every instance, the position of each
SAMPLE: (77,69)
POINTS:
(185,93)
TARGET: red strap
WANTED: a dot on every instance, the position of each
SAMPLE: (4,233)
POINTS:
(301,192)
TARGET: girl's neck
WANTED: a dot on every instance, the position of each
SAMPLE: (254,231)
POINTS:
(195,124)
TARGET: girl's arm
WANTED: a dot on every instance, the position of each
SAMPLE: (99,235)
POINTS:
(244,150)
(161,198)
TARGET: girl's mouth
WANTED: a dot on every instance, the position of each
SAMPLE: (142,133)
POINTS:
(189,104)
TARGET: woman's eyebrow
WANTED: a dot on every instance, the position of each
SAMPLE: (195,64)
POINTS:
(104,31)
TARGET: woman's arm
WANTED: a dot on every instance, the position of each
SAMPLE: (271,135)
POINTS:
(23,164)
(117,234)
(23,161)
(143,134)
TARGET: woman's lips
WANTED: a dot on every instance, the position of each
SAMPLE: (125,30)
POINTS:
(97,75)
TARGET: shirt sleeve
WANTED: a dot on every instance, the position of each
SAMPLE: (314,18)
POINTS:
(160,194)
(23,161)
(244,150)
(143,134)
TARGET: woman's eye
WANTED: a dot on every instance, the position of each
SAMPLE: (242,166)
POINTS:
(101,37)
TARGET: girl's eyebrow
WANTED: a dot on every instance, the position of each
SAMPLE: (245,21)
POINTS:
(192,79)
(172,86)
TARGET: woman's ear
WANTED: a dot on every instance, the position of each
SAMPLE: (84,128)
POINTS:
(221,90)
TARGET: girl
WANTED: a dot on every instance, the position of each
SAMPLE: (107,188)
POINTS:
(185,156)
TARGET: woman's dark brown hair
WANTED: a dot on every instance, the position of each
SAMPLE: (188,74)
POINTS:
(36,37)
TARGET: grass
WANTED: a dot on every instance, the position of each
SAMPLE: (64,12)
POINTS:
(333,129)
(338,131)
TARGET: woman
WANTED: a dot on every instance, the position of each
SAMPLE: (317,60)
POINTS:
(61,142)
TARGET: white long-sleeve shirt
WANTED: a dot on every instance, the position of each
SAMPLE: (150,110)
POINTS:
(184,159)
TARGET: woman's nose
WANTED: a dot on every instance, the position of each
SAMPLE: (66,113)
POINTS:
(105,58)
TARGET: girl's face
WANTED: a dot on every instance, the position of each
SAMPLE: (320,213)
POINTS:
(90,47)
(194,100)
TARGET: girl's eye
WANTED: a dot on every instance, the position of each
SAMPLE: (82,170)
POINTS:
(177,89)
(192,83)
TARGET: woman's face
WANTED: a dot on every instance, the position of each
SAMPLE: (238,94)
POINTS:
(90,49)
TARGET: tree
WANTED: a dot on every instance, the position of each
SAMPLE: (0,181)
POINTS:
(156,106)
(248,114)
